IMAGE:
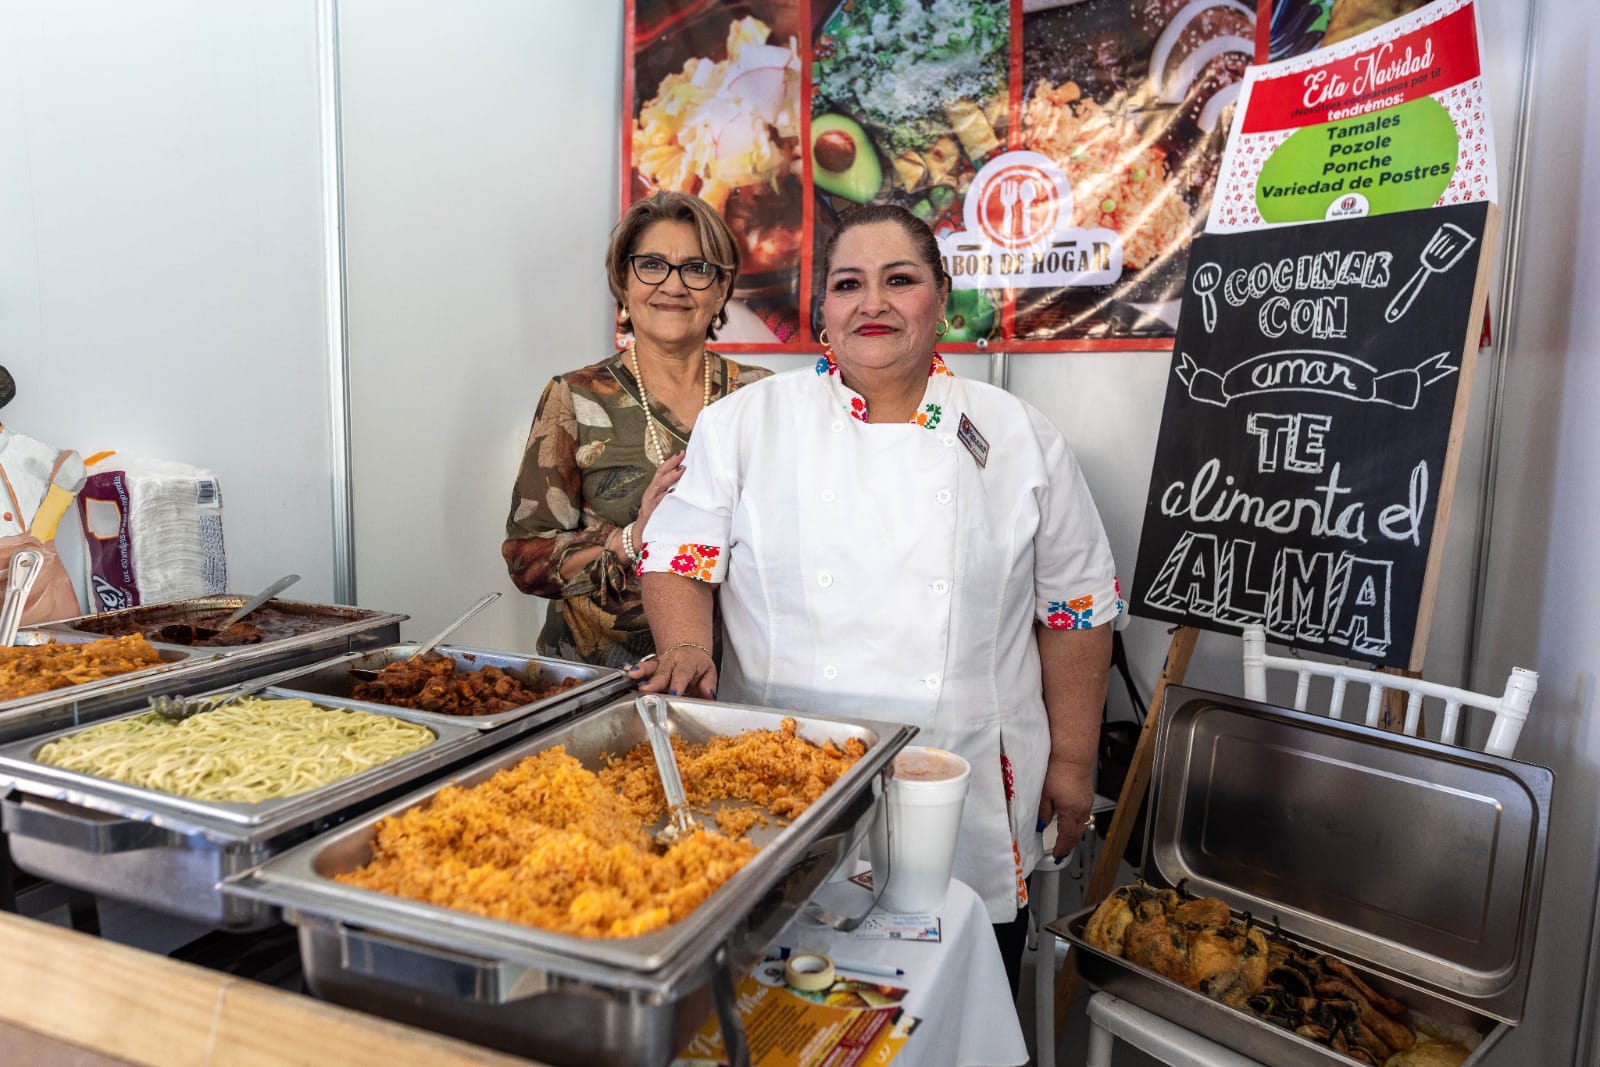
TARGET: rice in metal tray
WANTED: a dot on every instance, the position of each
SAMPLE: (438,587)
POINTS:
(549,843)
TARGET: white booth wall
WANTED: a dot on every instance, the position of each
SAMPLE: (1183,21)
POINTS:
(161,251)
(1542,599)
(163,291)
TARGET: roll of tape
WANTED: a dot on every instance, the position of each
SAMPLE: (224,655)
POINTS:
(809,972)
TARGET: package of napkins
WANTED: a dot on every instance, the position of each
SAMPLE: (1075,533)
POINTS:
(152,531)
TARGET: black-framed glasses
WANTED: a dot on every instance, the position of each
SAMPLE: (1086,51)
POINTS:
(696,273)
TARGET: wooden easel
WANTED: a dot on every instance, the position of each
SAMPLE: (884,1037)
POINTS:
(1181,649)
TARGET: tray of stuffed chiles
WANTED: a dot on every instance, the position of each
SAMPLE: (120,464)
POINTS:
(1316,892)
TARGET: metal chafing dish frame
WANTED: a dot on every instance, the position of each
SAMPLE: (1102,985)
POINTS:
(331,679)
(360,622)
(626,1000)
(22,715)
(186,667)
(1219,759)
(170,853)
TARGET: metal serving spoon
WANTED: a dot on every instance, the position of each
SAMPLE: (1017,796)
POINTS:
(25,566)
(186,634)
(367,673)
(680,824)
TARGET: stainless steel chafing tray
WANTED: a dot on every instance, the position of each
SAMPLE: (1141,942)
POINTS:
(168,852)
(184,668)
(1419,864)
(334,679)
(329,625)
(558,997)
(21,716)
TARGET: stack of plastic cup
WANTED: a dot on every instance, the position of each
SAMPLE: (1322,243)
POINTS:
(923,806)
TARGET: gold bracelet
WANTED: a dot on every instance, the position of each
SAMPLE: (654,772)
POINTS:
(688,644)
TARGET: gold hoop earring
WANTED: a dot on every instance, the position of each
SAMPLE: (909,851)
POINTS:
(822,338)
(943,327)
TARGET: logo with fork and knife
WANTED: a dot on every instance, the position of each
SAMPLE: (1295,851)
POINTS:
(1018,231)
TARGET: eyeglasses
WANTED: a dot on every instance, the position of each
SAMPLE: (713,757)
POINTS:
(696,273)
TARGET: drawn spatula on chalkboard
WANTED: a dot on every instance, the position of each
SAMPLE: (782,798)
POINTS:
(1443,250)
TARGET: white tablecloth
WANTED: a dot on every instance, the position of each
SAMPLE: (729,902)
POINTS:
(956,987)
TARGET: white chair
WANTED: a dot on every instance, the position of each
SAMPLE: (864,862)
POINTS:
(1044,905)
(1510,710)
(1162,1039)
(1170,1043)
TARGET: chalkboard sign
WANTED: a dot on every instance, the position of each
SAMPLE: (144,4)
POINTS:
(1309,440)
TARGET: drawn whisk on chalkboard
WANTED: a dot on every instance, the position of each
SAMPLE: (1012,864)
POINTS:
(1443,251)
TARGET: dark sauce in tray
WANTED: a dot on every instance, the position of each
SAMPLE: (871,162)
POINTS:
(179,627)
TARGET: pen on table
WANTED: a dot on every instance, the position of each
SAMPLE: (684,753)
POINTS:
(882,971)
(870,968)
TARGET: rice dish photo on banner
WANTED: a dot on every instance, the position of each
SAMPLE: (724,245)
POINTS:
(1304,464)
(1128,106)
(713,96)
(1063,153)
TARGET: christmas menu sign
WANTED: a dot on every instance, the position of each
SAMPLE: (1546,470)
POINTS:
(1310,435)
(1394,119)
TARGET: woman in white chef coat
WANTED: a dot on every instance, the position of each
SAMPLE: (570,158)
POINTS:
(897,543)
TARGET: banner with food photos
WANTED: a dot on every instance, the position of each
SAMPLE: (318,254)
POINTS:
(1063,151)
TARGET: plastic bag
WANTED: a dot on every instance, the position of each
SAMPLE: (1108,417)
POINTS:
(152,531)
(37,483)
(52,596)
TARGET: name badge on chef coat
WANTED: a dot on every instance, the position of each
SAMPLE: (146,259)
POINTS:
(968,435)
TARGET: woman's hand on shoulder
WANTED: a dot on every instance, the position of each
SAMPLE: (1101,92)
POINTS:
(684,669)
(661,483)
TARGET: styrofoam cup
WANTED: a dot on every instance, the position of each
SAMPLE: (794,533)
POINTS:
(924,802)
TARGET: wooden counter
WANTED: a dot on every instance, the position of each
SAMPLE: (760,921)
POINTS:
(73,1000)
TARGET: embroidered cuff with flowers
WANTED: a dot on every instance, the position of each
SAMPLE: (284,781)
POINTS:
(705,563)
(1083,612)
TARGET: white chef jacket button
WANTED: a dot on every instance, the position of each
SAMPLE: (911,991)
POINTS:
(942,496)
(837,426)
(829,496)
(941,586)
(932,681)
(830,671)
(949,440)
(824,579)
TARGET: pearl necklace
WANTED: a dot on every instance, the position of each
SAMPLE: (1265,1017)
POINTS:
(656,442)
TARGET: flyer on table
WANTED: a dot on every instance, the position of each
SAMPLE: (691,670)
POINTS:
(1395,119)
(848,1023)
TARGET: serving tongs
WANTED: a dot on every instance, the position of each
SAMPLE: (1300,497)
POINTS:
(186,634)
(680,824)
(366,674)
(24,570)
(177,708)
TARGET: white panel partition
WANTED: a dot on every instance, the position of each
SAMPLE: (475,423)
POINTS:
(480,176)
(161,286)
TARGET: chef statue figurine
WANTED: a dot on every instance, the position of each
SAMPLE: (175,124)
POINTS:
(37,486)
